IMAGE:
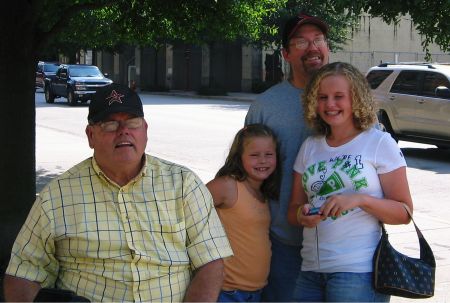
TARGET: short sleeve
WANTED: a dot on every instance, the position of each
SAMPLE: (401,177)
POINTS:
(207,240)
(254,114)
(299,164)
(389,156)
(32,255)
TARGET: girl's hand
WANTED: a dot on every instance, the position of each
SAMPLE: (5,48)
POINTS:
(340,204)
(308,220)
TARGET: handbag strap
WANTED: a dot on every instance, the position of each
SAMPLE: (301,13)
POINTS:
(425,250)
(419,233)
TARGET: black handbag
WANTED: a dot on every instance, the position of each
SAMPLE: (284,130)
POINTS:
(399,275)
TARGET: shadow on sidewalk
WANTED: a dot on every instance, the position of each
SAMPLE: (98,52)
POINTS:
(43,177)
(428,159)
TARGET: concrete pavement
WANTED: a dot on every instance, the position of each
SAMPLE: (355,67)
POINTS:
(428,176)
(434,225)
(243,97)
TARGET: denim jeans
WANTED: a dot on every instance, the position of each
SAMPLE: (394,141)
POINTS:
(239,296)
(337,287)
(284,269)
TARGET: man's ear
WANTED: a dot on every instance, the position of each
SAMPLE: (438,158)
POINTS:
(285,53)
(90,134)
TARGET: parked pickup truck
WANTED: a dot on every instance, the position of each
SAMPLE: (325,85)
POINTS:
(76,82)
(45,71)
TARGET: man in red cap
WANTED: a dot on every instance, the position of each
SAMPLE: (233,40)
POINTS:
(305,48)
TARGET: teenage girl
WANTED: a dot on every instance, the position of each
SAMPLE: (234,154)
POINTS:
(241,189)
(355,176)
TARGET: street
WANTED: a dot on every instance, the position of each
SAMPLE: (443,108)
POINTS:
(197,133)
(193,132)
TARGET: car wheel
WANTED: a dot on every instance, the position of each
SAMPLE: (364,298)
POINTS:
(385,125)
(49,96)
(71,98)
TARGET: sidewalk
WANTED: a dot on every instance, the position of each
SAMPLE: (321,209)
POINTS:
(431,203)
(436,231)
(239,96)
(435,227)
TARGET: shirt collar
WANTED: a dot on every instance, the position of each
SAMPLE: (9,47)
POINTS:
(101,174)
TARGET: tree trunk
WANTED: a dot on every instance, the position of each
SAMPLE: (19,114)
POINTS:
(17,118)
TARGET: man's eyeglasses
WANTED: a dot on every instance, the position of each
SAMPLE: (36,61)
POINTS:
(112,126)
(303,44)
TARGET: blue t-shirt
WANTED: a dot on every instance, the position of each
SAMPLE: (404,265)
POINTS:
(280,109)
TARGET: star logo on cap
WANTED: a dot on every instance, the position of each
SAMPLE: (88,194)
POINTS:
(114,97)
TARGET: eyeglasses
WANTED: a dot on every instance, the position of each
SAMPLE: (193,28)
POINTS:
(112,126)
(303,44)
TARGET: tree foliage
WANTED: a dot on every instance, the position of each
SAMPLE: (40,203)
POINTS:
(107,25)
(430,17)
(38,29)
(340,24)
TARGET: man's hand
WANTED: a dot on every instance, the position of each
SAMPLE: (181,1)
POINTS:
(206,283)
(20,290)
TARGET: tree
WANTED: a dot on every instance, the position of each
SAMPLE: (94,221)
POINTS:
(430,17)
(340,24)
(32,29)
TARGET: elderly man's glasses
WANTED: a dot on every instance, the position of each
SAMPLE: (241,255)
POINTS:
(303,44)
(112,126)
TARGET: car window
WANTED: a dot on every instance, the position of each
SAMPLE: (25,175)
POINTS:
(376,77)
(51,67)
(431,81)
(62,72)
(89,71)
(407,82)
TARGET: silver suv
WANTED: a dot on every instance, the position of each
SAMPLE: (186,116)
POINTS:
(413,100)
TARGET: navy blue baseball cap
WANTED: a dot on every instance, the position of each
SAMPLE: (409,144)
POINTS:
(114,98)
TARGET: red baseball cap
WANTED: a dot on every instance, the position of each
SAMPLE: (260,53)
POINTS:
(295,22)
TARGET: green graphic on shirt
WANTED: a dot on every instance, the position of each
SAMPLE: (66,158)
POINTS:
(332,184)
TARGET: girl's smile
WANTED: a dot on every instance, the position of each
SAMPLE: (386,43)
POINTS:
(334,104)
(259,158)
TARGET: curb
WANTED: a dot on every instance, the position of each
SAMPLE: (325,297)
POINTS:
(249,98)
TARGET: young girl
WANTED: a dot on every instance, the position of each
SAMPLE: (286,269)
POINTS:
(240,190)
(354,176)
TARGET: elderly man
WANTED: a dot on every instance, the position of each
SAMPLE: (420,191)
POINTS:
(122,225)
(305,48)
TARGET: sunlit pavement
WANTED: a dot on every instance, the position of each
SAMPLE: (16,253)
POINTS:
(197,133)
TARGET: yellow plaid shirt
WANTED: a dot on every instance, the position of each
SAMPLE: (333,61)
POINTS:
(139,242)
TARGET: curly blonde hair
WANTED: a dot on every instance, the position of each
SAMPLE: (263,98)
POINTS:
(363,105)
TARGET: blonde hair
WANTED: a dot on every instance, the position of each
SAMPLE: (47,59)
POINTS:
(363,105)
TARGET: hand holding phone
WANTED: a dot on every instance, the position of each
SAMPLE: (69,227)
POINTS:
(313,211)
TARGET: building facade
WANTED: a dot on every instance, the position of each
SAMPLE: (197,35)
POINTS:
(238,67)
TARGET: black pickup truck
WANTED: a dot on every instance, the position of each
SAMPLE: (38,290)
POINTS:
(75,82)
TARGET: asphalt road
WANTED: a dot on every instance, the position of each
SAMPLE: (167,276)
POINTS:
(197,133)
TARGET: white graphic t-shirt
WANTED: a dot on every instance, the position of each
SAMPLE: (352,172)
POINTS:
(346,243)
